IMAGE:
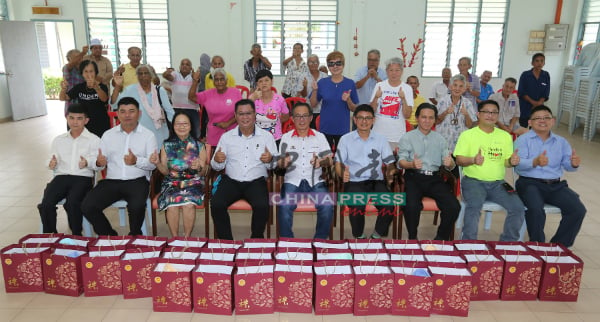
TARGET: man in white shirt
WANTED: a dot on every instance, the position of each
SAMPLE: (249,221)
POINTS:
(245,153)
(441,88)
(73,154)
(304,152)
(125,150)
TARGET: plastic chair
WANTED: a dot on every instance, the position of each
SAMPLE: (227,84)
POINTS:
(244,90)
(290,102)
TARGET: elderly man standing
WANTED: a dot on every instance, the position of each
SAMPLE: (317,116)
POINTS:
(544,156)
(442,88)
(105,69)
(255,64)
(367,76)
(509,108)
(304,152)
(128,70)
(245,153)
(486,88)
(473,85)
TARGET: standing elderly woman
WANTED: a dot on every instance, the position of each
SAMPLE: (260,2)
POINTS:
(392,101)
(271,109)
(455,112)
(154,103)
(182,160)
(338,98)
(219,103)
(295,72)
(92,94)
(314,76)
(181,82)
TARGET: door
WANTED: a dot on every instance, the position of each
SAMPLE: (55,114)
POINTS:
(22,67)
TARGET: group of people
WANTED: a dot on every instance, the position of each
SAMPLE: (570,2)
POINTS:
(468,126)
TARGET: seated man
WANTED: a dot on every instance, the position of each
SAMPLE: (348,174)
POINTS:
(484,152)
(544,156)
(510,111)
(303,152)
(422,152)
(73,154)
(125,150)
(360,157)
(245,154)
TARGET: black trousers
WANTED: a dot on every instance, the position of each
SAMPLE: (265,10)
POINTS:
(385,214)
(418,186)
(229,191)
(108,191)
(74,189)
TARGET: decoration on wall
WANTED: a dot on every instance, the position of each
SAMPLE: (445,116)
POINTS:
(231,5)
(413,55)
(355,42)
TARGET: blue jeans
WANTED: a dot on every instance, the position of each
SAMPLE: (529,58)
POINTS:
(535,194)
(286,212)
(476,192)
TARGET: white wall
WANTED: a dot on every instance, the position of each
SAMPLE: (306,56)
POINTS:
(227,28)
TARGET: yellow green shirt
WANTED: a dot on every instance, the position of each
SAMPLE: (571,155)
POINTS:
(417,101)
(129,75)
(208,82)
(495,147)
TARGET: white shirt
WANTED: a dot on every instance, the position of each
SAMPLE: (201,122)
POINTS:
(242,154)
(301,150)
(115,144)
(179,89)
(390,121)
(439,90)
(68,152)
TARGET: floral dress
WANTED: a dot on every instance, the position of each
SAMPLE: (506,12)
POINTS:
(182,185)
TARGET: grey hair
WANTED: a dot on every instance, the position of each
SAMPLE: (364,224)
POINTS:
(72,52)
(374,51)
(468,59)
(256,45)
(148,67)
(458,77)
(394,60)
(218,70)
(313,56)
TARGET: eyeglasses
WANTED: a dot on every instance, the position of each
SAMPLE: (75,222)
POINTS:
(335,63)
(301,117)
(490,112)
(364,118)
(542,118)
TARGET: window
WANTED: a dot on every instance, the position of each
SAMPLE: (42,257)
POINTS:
(121,24)
(282,23)
(471,28)
(3,10)
(590,22)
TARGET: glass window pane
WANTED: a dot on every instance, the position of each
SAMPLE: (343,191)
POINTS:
(435,50)
(158,51)
(489,49)
(463,43)
(130,34)
(103,30)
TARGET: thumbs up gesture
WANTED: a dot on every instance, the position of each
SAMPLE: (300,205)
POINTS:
(154,158)
(401,93)
(478,159)
(314,85)
(541,160)
(417,163)
(130,158)
(220,156)
(266,156)
(515,159)
(575,160)
(346,95)
(378,94)
(53,162)
(82,162)
(346,175)
(196,164)
(101,159)
(448,162)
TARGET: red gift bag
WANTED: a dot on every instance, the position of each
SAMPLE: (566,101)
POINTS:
(40,239)
(253,287)
(72,240)
(295,254)
(443,256)
(171,285)
(467,245)
(260,243)
(22,267)
(391,244)
(181,252)
(286,242)
(212,290)
(334,287)
(541,248)
(196,242)
(244,254)
(148,241)
(326,243)
(333,254)
(486,271)
(370,254)
(436,245)
(365,243)
(293,287)
(101,270)
(412,288)
(561,277)
(410,255)
(110,241)
(62,270)
(224,243)
(136,271)
(217,254)
(522,274)
(373,287)
(451,289)
(500,246)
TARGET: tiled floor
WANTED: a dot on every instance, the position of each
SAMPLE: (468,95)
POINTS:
(23,174)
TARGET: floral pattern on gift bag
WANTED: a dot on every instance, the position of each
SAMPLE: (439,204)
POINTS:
(342,294)
(219,294)
(67,276)
(179,291)
(380,295)
(301,292)
(261,293)
(29,272)
(420,296)
(528,282)
(109,275)
(491,280)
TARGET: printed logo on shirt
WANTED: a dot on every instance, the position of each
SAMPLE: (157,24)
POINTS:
(390,105)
